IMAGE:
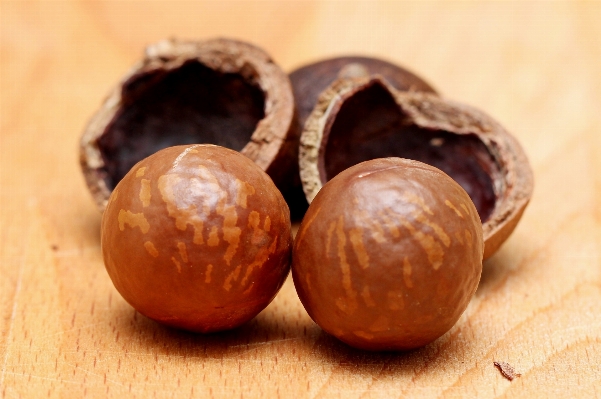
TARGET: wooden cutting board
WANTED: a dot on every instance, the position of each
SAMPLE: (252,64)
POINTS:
(66,333)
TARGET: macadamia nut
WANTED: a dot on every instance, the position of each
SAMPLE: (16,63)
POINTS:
(388,254)
(197,237)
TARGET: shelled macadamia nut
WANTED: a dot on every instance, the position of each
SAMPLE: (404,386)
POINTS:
(388,255)
(197,237)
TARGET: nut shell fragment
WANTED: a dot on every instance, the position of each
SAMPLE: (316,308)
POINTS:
(366,118)
(218,91)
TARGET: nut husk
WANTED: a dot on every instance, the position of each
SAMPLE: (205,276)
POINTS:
(218,91)
(364,118)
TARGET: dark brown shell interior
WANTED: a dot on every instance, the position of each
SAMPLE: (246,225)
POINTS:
(186,105)
(370,125)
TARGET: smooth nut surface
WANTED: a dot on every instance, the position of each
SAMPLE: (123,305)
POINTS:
(388,255)
(197,237)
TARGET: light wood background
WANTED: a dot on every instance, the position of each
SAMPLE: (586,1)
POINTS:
(66,333)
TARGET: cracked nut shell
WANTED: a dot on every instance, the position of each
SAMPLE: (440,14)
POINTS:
(219,91)
(365,118)
(388,255)
(197,237)
(310,80)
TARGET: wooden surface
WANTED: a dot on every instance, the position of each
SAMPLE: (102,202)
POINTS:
(66,332)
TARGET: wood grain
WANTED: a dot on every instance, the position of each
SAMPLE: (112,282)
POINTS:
(65,331)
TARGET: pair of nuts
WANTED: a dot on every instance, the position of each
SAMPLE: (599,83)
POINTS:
(390,250)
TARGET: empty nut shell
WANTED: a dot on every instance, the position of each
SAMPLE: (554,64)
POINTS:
(388,255)
(220,91)
(366,118)
(197,237)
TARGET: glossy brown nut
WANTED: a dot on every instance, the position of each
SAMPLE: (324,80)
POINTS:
(388,255)
(197,237)
(366,118)
(219,91)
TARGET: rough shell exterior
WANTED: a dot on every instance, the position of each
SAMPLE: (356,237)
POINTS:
(269,147)
(197,237)
(388,255)
(511,174)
